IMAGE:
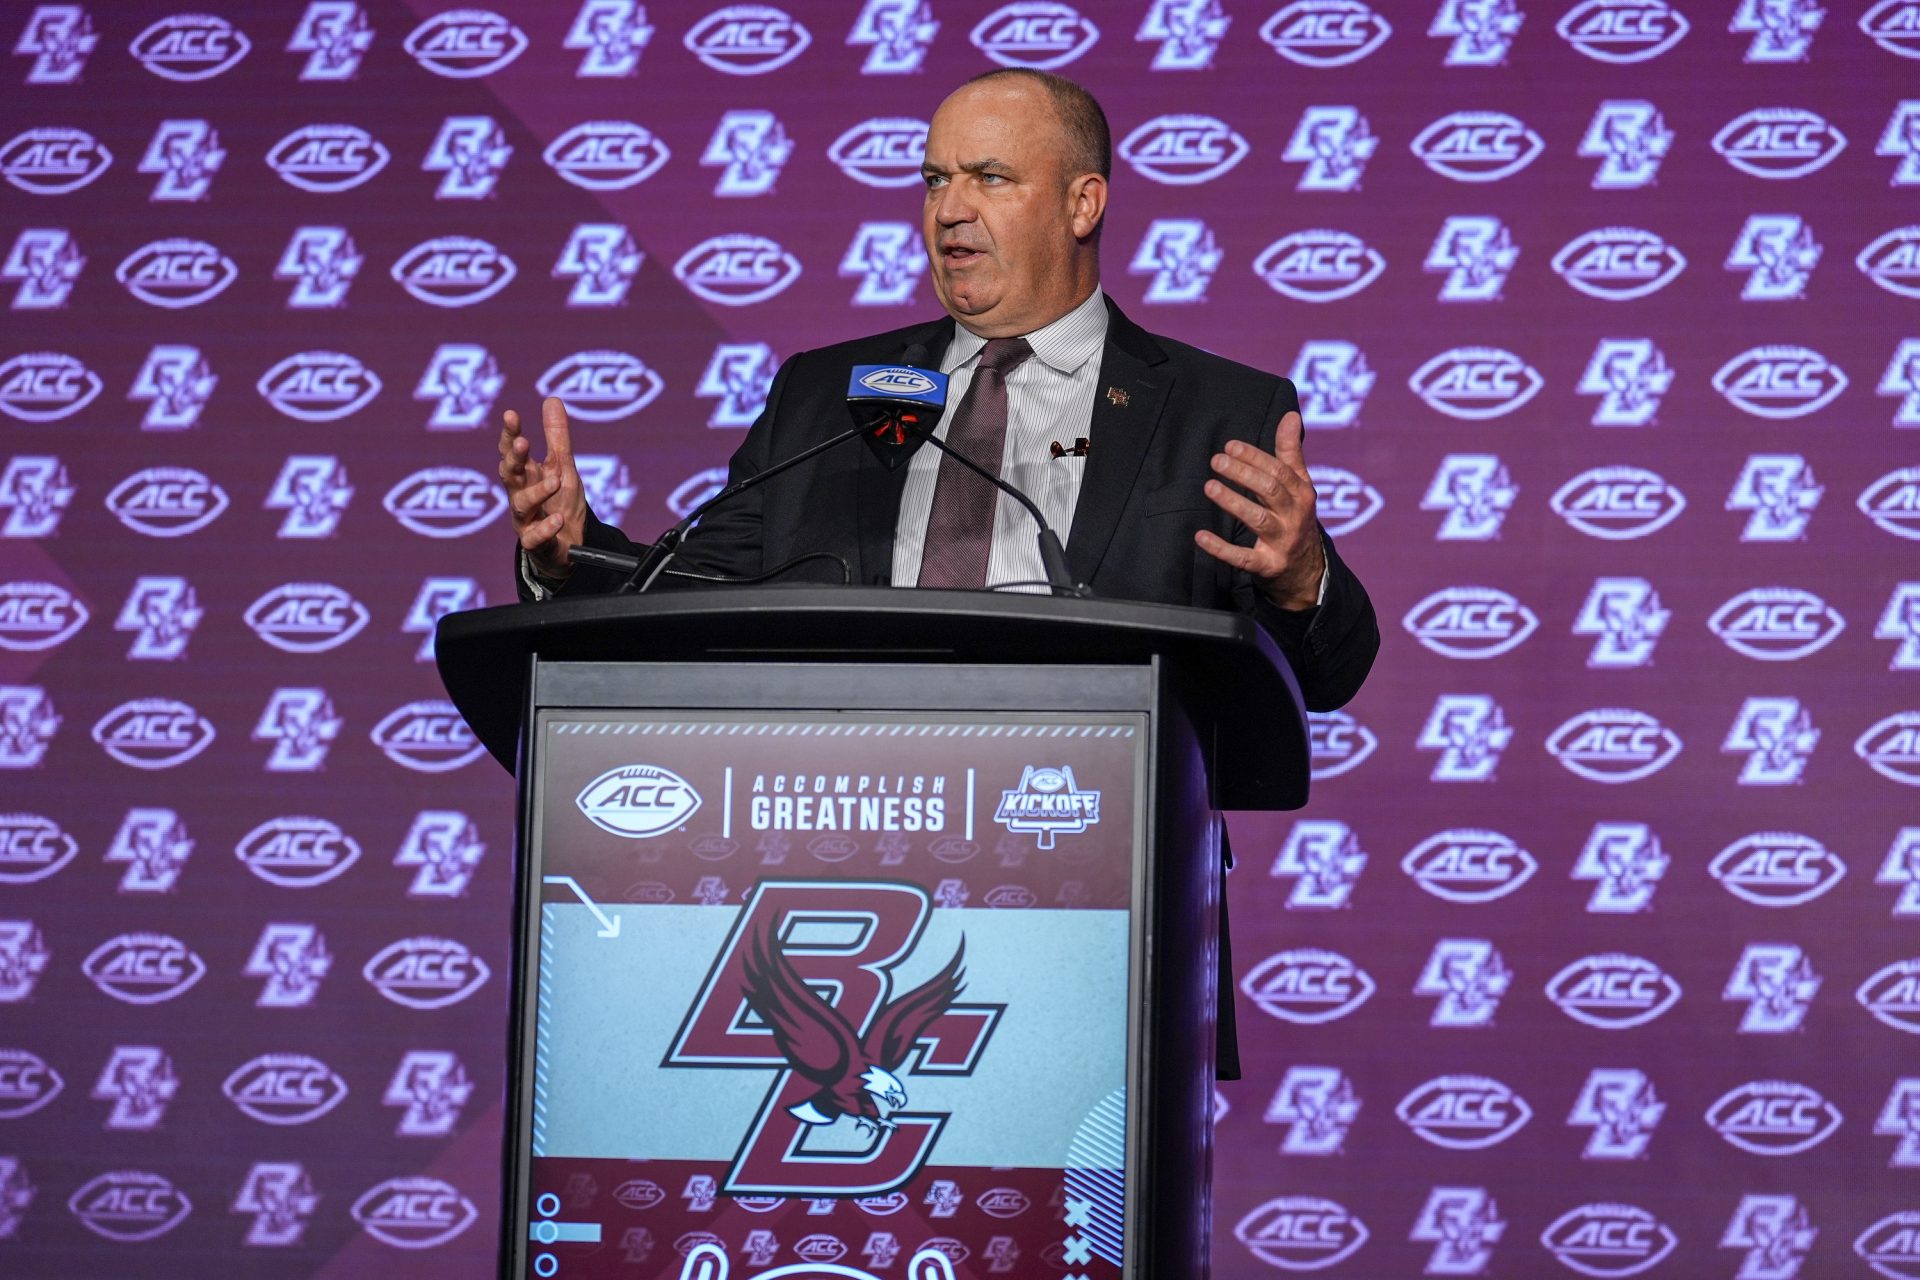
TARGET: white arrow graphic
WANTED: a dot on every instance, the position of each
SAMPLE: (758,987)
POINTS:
(609,925)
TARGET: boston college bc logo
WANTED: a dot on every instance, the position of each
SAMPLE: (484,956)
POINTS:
(805,985)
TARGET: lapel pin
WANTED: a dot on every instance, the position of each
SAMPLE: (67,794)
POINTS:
(1116,397)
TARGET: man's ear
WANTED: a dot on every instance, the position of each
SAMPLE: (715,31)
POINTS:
(1087,200)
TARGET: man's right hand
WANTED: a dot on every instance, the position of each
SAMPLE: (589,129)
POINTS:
(549,507)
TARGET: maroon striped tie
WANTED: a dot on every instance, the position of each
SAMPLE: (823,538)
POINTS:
(960,526)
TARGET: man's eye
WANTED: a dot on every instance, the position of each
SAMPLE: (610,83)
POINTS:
(932,180)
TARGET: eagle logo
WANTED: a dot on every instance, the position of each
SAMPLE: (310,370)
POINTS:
(855,1073)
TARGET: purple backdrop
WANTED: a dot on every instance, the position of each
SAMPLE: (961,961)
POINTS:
(1603,316)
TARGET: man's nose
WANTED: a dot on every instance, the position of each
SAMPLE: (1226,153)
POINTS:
(950,209)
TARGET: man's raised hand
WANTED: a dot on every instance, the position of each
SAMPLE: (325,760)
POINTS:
(549,507)
(1286,558)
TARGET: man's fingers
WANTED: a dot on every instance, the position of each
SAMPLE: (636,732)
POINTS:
(553,421)
(529,498)
(1288,442)
(1230,553)
(1253,515)
(541,532)
(1256,472)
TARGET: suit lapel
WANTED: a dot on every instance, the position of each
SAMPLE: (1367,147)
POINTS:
(1126,411)
(878,489)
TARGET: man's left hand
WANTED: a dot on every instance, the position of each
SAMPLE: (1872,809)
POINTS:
(1286,558)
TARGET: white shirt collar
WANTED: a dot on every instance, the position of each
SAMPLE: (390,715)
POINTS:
(1064,345)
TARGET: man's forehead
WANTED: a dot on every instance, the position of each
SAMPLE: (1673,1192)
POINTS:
(1003,118)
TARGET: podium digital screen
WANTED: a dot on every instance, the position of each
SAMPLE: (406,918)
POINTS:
(816,996)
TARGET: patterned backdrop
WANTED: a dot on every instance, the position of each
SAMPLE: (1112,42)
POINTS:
(1604,319)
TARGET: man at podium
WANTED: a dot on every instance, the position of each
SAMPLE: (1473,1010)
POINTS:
(1177,475)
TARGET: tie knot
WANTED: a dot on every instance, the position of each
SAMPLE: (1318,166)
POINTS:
(1004,355)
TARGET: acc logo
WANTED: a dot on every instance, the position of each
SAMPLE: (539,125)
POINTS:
(1469,865)
(32,847)
(1891,1246)
(1891,748)
(1183,150)
(882,152)
(1777,868)
(46,386)
(1894,25)
(143,968)
(1339,743)
(38,615)
(426,973)
(1325,33)
(444,502)
(128,1204)
(1780,381)
(319,386)
(1776,623)
(1613,991)
(176,272)
(1622,31)
(747,39)
(1892,262)
(190,46)
(53,161)
(602,386)
(638,801)
(453,271)
(1319,265)
(414,1212)
(285,1088)
(1470,622)
(27,1083)
(1779,142)
(1617,503)
(1465,1113)
(1618,263)
(1614,744)
(1301,1233)
(1003,1202)
(297,853)
(1893,995)
(737,270)
(464,44)
(821,1249)
(1893,502)
(1034,33)
(427,736)
(639,1193)
(153,733)
(1773,1117)
(1607,1239)
(607,155)
(1470,732)
(1334,380)
(306,617)
(907,381)
(1477,146)
(1343,500)
(1308,986)
(1476,383)
(326,158)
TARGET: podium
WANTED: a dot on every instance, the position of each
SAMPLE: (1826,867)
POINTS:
(867,932)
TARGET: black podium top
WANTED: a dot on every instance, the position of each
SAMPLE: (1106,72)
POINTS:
(1240,688)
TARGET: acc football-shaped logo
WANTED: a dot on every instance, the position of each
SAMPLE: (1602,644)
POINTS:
(1617,503)
(1042,34)
(1780,381)
(53,161)
(129,1205)
(35,616)
(1308,985)
(414,1212)
(143,968)
(190,46)
(1466,864)
(1893,261)
(1893,502)
(167,502)
(1891,1245)
(1319,266)
(306,617)
(737,270)
(326,158)
(639,1193)
(426,973)
(1182,150)
(1301,1233)
(428,736)
(1777,868)
(1621,31)
(1470,622)
(1613,991)
(445,502)
(319,386)
(1607,1239)
(1776,624)
(176,272)
(1477,146)
(602,386)
(1338,743)
(607,155)
(453,271)
(1891,748)
(638,801)
(1779,142)
(32,847)
(1343,501)
(153,733)
(882,152)
(465,44)
(747,39)
(1476,383)
(1614,744)
(1464,1112)
(27,1083)
(1773,1117)
(285,1088)
(1618,263)
(297,853)
(1325,33)
(46,386)
(1892,994)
